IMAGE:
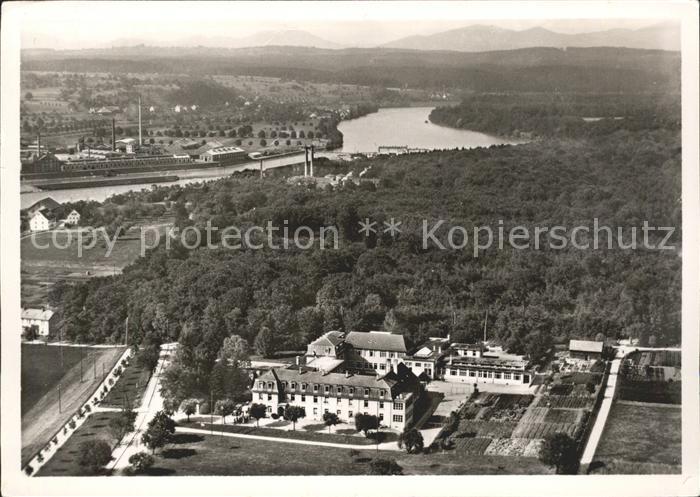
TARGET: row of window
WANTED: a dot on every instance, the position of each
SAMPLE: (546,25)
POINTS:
(397,418)
(398,406)
(327,389)
(485,374)
(372,353)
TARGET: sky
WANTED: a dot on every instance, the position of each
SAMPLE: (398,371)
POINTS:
(74,25)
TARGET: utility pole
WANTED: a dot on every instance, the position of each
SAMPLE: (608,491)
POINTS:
(59,398)
(126,331)
(140,140)
(211,410)
(485,321)
(81,364)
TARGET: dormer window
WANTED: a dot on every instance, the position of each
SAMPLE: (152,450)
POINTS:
(303,386)
(351,391)
(294,385)
(315,388)
(366,392)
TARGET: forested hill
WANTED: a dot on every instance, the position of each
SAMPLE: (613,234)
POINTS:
(534,297)
(598,69)
(562,114)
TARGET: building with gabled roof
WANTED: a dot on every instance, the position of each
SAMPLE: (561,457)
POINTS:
(585,349)
(391,397)
(43,319)
(377,351)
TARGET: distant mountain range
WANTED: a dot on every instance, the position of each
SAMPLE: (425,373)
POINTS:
(286,38)
(481,38)
(474,38)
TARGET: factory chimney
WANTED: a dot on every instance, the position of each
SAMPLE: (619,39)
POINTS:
(311,169)
(114,134)
(140,140)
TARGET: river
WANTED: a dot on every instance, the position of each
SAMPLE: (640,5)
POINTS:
(408,126)
(392,126)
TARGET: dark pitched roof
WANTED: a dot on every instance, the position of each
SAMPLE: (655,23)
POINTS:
(332,337)
(44,203)
(376,340)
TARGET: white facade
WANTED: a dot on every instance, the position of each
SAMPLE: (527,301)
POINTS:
(73,218)
(39,222)
(395,414)
(40,318)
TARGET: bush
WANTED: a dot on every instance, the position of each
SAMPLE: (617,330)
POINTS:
(94,454)
(28,470)
(71,424)
(274,416)
(381,466)
(141,461)
(204,408)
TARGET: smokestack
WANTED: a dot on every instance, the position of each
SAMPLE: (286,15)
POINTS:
(312,161)
(140,140)
(306,161)
(114,134)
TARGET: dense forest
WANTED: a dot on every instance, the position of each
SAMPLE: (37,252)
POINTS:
(602,69)
(562,114)
(281,299)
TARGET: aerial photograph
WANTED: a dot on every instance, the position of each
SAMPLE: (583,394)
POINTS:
(346,247)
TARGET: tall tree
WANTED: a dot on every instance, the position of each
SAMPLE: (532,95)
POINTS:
(560,450)
(265,342)
(159,432)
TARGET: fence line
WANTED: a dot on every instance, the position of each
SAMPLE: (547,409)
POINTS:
(51,448)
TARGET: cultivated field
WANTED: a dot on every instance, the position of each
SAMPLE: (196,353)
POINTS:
(640,439)
(43,267)
(651,376)
(42,418)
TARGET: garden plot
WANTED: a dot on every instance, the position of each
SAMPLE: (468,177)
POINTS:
(471,445)
(518,447)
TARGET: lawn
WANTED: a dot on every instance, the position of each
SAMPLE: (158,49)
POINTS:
(65,461)
(299,434)
(129,388)
(644,436)
(215,455)
(42,369)
(41,375)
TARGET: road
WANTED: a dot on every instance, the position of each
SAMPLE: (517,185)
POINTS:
(151,404)
(599,426)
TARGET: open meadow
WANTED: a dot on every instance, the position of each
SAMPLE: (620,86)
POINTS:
(640,439)
(41,375)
